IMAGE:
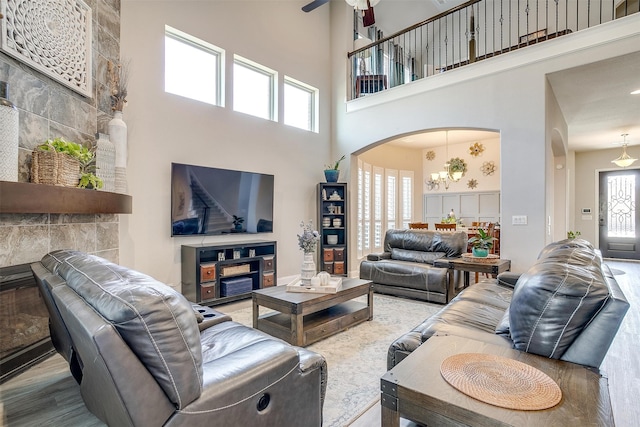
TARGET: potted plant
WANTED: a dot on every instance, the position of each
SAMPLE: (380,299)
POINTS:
(237,222)
(332,172)
(90,181)
(88,178)
(481,243)
(573,234)
(78,170)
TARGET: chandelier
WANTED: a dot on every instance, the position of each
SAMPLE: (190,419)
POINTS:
(445,176)
(624,160)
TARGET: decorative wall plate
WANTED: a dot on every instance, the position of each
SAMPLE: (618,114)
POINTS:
(476,149)
(54,37)
(430,155)
(488,168)
(472,183)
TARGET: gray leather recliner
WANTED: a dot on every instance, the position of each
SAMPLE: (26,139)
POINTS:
(148,357)
(405,268)
(567,306)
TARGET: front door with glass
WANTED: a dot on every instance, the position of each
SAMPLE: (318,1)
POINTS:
(618,216)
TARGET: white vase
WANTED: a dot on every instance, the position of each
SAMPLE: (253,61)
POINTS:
(8,137)
(118,136)
(106,162)
(308,268)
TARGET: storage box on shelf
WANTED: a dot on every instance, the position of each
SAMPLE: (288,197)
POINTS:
(216,274)
(332,226)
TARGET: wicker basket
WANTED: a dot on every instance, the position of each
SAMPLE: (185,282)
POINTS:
(51,167)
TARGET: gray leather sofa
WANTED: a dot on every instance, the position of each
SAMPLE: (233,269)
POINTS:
(567,306)
(145,356)
(405,268)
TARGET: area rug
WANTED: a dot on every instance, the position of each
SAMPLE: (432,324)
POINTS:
(357,357)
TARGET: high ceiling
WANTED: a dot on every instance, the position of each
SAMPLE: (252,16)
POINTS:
(597,104)
(595,99)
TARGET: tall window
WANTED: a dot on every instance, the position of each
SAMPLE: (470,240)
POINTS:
(254,89)
(406,201)
(193,67)
(366,209)
(392,199)
(385,202)
(378,176)
(300,105)
(360,213)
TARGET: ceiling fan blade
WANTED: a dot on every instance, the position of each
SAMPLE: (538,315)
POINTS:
(314,4)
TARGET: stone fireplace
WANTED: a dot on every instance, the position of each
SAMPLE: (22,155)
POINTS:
(48,109)
(24,322)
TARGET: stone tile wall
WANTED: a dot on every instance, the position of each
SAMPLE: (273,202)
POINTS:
(48,109)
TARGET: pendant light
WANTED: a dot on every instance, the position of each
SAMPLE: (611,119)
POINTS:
(624,160)
(444,176)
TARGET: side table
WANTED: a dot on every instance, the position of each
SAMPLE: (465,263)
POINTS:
(415,390)
(494,267)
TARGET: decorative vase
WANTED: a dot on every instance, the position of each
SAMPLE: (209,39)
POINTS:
(118,136)
(331,175)
(479,252)
(8,136)
(106,162)
(308,268)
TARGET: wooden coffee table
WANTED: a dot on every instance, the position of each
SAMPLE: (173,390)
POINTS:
(415,389)
(304,318)
(494,267)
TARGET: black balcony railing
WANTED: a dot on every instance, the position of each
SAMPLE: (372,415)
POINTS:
(473,31)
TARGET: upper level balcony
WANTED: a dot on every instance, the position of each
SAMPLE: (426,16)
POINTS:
(473,31)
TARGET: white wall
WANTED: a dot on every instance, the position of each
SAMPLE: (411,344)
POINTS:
(556,189)
(588,165)
(505,93)
(485,183)
(165,128)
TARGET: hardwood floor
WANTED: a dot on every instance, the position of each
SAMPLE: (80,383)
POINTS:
(621,365)
(47,395)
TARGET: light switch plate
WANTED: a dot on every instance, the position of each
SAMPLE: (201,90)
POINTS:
(519,220)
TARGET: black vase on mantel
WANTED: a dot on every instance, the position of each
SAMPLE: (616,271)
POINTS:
(8,136)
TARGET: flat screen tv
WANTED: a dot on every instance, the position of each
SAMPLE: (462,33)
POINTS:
(212,201)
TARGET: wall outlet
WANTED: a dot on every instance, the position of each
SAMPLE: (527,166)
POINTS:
(518,220)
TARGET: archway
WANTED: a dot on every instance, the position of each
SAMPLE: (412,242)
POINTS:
(392,181)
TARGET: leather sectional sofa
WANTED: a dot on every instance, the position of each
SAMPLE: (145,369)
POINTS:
(567,306)
(145,356)
(405,268)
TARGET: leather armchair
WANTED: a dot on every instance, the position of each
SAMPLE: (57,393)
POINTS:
(405,268)
(148,357)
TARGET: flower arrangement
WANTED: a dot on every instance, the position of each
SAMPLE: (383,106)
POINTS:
(118,80)
(308,240)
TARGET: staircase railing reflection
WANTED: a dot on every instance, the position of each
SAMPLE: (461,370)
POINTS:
(474,31)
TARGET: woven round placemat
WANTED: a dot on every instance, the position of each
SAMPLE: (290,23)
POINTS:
(489,259)
(500,381)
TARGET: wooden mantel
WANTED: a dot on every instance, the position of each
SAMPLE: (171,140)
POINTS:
(26,197)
